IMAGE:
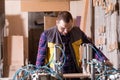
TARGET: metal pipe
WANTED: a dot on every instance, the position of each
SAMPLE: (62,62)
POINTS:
(93,71)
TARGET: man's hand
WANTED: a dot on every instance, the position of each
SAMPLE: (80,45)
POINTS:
(108,63)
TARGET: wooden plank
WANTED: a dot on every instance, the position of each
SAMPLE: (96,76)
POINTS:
(76,75)
(84,15)
(5,78)
(37,6)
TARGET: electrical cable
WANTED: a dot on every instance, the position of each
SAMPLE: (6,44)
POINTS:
(94,49)
(32,69)
(63,56)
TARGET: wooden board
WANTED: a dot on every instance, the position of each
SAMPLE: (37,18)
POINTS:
(37,5)
(84,16)
(76,75)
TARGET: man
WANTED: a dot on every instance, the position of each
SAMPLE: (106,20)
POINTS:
(69,38)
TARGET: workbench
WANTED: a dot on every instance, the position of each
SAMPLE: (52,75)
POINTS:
(71,75)
(76,75)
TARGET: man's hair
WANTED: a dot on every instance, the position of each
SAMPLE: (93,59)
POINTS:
(65,16)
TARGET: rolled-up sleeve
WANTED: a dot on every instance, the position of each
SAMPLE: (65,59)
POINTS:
(42,48)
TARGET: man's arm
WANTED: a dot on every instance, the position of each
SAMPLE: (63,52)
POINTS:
(42,48)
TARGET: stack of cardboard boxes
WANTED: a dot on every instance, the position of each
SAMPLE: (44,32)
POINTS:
(13,55)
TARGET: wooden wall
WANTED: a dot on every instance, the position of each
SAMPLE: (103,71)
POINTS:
(106,30)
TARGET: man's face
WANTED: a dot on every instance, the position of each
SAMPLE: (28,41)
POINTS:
(63,27)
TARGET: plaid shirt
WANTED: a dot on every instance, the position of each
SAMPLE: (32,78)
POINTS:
(41,50)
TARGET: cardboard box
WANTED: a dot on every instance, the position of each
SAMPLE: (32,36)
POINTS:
(49,22)
(10,70)
(45,5)
(13,50)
